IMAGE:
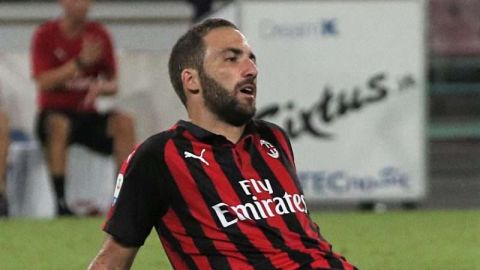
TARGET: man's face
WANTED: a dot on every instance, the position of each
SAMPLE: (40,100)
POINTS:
(75,9)
(228,77)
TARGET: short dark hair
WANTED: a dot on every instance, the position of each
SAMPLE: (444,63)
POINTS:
(189,52)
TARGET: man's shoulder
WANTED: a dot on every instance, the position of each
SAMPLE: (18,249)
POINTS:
(159,139)
(270,130)
(266,125)
(96,26)
(157,142)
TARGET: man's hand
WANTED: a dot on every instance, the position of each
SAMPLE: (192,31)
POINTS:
(92,49)
(99,87)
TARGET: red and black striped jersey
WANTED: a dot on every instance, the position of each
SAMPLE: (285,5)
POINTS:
(217,204)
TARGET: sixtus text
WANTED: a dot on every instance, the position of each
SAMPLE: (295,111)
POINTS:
(335,104)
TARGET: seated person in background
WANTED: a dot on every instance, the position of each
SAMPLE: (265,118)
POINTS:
(4,142)
(72,63)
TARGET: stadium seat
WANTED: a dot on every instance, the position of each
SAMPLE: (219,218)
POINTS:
(29,191)
(90,181)
(89,186)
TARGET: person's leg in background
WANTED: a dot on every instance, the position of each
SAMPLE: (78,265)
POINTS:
(111,134)
(4,143)
(57,128)
(121,128)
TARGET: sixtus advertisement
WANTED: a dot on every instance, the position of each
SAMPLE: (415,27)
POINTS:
(346,81)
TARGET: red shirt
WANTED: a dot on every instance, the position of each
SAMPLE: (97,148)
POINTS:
(51,48)
(219,205)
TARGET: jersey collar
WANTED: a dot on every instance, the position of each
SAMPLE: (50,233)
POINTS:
(205,135)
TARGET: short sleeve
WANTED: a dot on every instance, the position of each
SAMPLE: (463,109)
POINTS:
(139,199)
(41,52)
(109,58)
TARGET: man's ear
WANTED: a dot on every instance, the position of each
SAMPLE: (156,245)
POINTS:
(190,80)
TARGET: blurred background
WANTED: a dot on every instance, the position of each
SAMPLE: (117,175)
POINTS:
(321,62)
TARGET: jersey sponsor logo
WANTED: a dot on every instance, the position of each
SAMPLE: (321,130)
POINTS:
(60,54)
(271,150)
(259,208)
(118,187)
(200,157)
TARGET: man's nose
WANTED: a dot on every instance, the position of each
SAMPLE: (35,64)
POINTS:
(250,68)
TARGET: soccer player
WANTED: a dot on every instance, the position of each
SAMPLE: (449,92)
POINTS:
(220,189)
(73,62)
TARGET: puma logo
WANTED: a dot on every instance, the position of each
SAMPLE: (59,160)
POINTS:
(190,155)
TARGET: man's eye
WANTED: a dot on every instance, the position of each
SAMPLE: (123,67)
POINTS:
(231,59)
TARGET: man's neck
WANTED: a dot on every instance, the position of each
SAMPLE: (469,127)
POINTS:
(217,126)
(71,27)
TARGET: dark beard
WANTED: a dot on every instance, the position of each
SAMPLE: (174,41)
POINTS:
(223,104)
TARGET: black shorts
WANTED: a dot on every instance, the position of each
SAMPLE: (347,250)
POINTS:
(88,129)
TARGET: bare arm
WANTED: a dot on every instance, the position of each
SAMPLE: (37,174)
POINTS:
(49,80)
(113,256)
(100,88)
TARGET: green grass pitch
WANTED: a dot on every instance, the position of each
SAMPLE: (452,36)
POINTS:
(415,240)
